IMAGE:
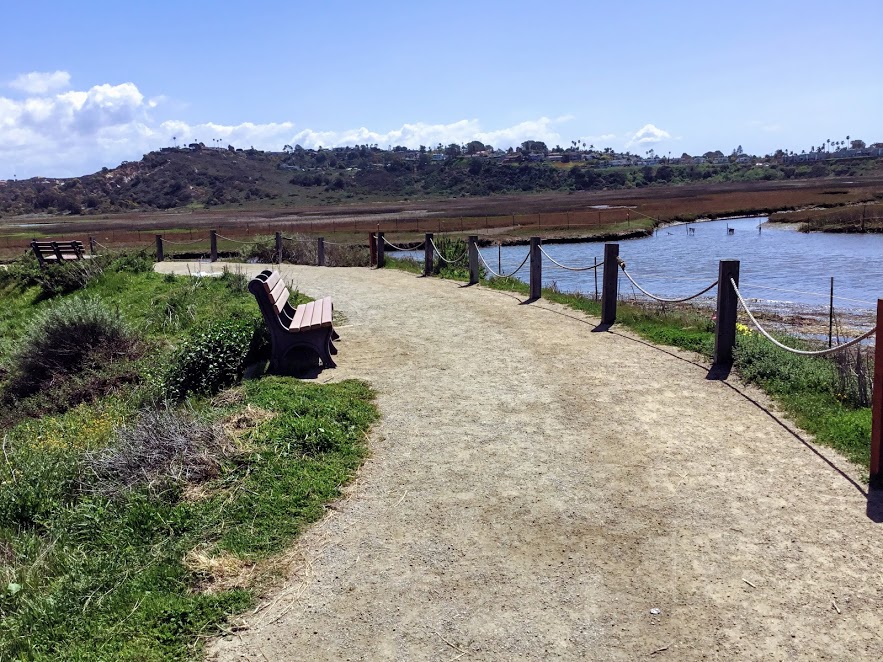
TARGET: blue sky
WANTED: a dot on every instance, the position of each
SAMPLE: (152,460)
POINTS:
(85,85)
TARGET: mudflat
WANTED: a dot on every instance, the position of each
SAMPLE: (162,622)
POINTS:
(537,490)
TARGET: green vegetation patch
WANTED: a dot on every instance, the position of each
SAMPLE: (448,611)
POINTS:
(92,573)
(136,514)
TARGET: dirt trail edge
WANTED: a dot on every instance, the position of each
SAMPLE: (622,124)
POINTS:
(539,491)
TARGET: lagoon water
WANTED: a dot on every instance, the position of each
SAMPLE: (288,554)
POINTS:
(778,263)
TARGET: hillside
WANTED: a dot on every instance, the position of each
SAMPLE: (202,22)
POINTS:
(205,178)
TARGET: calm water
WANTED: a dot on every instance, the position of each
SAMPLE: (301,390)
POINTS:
(778,263)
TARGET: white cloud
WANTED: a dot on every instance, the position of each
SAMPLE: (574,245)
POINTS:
(648,135)
(38,82)
(75,132)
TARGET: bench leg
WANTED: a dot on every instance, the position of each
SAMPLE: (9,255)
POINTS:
(330,349)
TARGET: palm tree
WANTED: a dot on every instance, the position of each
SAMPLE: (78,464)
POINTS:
(175,140)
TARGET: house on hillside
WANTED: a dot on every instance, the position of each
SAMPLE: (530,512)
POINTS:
(439,157)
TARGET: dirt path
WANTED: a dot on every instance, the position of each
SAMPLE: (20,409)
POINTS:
(537,489)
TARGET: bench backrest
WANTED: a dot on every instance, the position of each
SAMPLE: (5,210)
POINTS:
(57,251)
(272,295)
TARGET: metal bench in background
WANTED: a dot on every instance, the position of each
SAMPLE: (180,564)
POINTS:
(306,327)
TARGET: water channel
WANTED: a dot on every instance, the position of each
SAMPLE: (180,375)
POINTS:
(779,265)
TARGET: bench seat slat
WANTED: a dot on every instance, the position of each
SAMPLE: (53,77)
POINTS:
(316,320)
(298,319)
(326,311)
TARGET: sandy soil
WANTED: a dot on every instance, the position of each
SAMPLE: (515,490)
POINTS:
(538,491)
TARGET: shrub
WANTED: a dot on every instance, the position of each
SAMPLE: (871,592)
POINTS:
(63,339)
(136,262)
(161,448)
(215,358)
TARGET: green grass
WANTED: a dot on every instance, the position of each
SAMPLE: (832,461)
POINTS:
(105,578)
(805,387)
(89,573)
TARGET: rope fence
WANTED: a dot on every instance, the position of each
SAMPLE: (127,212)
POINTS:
(399,248)
(802,352)
(658,298)
(498,275)
(237,241)
(442,257)
(564,266)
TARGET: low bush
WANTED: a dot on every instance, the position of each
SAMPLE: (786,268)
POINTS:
(63,340)
(214,358)
(162,447)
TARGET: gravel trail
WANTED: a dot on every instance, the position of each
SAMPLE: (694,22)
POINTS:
(538,491)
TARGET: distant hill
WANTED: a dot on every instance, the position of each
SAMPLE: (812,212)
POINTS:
(202,177)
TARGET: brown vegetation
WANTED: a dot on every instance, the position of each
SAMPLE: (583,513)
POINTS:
(577,213)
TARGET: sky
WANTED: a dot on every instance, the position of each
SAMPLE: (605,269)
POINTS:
(89,84)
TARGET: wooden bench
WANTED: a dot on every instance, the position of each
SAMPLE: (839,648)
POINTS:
(306,327)
(57,251)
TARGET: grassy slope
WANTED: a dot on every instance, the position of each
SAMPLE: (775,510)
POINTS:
(86,576)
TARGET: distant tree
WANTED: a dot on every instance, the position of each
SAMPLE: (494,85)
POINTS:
(475,146)
(857,144)
(475,167)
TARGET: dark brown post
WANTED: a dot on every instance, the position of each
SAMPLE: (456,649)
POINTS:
(877,405)
(609,284)
(279,247)
(91,245)
(536,269)
(381,252)
(428,254)
(372,247)
(213,240)
(725,327)
(472,247)
(159,252)
(320,249)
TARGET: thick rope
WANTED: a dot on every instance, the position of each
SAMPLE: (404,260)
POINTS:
(523,262)
(653,296)
(236,241)
(802,352)
(181,243)
(399,248)
(564,266)
(442,257)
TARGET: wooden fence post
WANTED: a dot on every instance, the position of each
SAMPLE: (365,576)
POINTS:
(279,247)
(320,249)
(159,247)
(428,254)
(610,284)
(472,248)
(372,248)
(213,241)
(876,478)
(381,251)
(725,326)
(536,269)
(91,245)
